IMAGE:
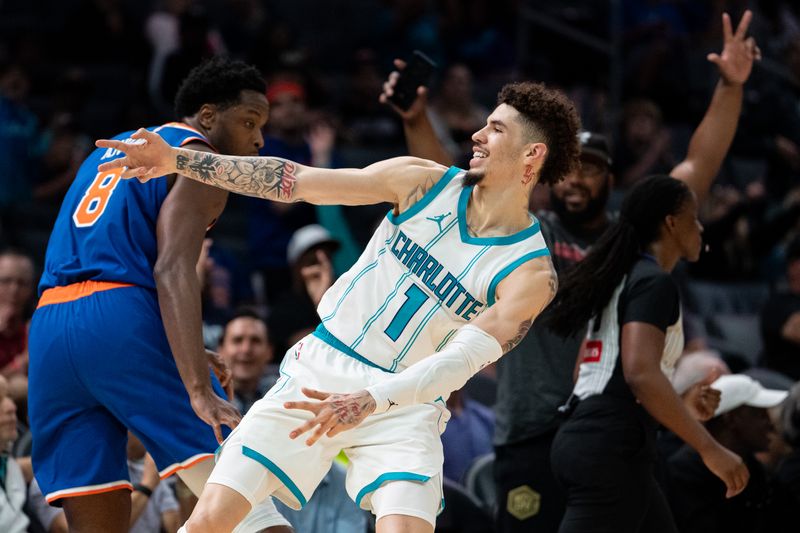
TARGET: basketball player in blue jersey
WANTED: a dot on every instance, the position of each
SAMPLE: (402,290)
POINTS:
(116,343)
(450,281)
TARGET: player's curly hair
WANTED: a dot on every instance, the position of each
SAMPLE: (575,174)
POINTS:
(549,117)
(216,81)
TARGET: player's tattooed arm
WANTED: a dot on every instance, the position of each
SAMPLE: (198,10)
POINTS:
(271,178)
(511,343)
(552,282)
(351,409)
(333,413)
(419,191)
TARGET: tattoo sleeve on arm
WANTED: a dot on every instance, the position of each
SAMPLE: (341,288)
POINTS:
(552,283)
(418,192)
(265,177)
(524,326)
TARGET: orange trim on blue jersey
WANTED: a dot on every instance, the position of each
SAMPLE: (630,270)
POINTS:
(74,291)
(172,469)
(66,494)
(183,126)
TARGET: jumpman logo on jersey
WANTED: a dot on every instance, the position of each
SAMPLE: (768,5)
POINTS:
(438,219)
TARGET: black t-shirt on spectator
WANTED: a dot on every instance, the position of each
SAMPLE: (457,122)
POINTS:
(780,354)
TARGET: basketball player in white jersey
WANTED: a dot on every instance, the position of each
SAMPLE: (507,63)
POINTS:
(450,281)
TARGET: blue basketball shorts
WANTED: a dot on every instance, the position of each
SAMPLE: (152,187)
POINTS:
(100,365)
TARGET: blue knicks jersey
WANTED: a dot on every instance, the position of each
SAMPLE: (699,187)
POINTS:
(106,228)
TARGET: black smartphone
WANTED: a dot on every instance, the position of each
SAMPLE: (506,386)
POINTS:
(418,72)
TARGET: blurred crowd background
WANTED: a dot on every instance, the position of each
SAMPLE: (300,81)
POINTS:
(72,71)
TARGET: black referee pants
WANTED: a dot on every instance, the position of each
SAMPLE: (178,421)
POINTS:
(604,457)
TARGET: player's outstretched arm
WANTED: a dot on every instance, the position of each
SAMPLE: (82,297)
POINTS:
(521,297)
(711,140)
(272,178)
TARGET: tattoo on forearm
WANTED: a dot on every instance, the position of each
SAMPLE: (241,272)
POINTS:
(265,177)
(524,326)
(350,410)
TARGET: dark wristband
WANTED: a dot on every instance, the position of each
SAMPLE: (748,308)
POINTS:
(147,491)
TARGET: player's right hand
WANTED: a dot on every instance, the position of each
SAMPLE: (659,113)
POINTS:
(729,467)
(419,105)
(150,157)
(215,411)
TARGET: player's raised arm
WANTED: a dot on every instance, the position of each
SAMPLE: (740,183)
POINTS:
(398,181)
(711,140)
(521,297)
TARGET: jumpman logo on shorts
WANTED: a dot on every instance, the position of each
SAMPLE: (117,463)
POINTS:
(438,219)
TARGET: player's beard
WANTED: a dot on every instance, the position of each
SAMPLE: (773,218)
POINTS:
(473,177)
(594,206)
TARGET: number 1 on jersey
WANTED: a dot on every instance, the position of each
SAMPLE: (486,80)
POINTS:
(95,199)
(415,297)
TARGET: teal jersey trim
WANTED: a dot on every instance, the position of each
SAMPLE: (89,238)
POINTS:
(500,276)
(282,374)
(275,469)
(426,199)
(328,338)
(433,310)
(519,236)
(397,286)
(389,476)
(361,274)
(445,339)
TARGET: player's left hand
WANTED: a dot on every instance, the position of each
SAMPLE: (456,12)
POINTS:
(222,371)
(738,53)
(333,413)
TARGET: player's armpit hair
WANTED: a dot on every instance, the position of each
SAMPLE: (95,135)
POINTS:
(271,178)
(439,374)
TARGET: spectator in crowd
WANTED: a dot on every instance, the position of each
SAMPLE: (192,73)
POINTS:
(535,378)
(294,313)
(225,286)
(330,510)
(12,482)
(780,320)
(197,42)
(18,147)
(468,434)
(742,424)
(645,146)
(455,113)
(741,228)
(272,224)
(787,471)
(245,347)
(16,290)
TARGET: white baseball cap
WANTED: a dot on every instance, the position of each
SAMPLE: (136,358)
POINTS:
(306,238)
(737,390)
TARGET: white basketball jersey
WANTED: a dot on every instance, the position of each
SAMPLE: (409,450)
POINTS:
(420,278)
